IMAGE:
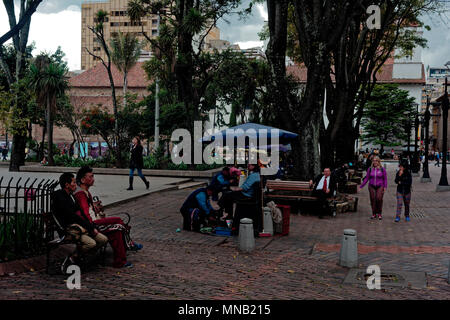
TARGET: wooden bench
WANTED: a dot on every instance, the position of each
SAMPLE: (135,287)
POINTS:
(296,188)
(300,186)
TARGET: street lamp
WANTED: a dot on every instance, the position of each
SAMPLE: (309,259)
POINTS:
(408,132)
(443,182)
(426,120)
(416,164)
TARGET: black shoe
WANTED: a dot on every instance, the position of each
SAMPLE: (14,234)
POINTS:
(147,184)
(130,188)
(66,263)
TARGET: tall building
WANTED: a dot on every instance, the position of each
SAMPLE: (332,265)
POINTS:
(117,21)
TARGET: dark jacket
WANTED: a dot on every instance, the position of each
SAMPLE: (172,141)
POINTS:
(403,182)
(137,160)
(193,202)
(332,185)
(64,208)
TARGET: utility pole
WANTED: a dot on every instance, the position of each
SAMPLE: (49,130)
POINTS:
(157,101)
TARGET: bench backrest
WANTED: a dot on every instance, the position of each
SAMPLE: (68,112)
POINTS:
(288,185)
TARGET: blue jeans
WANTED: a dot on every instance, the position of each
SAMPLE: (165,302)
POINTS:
(139,172)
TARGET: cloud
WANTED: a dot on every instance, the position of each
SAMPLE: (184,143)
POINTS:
(241,30)
(58,22)
(55,6)
(49,31)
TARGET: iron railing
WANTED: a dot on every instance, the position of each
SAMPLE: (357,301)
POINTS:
(22,212)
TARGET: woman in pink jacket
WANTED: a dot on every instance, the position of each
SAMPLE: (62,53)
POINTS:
(377,178)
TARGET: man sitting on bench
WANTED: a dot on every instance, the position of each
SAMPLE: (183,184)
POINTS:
(323,188)
(65,209)
(245,192)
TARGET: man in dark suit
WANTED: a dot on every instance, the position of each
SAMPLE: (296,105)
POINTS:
(66,211)
(324,186)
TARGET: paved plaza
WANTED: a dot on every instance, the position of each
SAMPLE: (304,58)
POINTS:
(302,265)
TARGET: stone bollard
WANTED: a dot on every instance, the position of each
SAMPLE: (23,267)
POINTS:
(348,256)
(268,221)
(246,235)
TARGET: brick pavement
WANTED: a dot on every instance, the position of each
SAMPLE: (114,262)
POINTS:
(303,265)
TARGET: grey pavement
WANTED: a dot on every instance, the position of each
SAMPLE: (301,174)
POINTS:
(109,188)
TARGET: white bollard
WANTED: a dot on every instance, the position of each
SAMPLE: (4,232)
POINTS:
(246,236)
(268,221)
(348,256)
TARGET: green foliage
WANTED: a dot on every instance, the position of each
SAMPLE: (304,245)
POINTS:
(125,51)
(21,236)
(67,161)
(387,112)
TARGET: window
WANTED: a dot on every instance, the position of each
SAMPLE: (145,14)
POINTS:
(154,33)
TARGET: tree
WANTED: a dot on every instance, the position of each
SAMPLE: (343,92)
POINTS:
(357,60)
(125,52)
(48,80)
(184,24)
(319,26)
(99,32)
(24,20)
(387,111)
(98,121)
(19,32)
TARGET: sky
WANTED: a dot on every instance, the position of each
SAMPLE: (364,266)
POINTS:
(58,23)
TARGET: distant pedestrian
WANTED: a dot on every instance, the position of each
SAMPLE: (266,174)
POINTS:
(377,178)
(437,159)
(137,162)
(5,153)
(403,179)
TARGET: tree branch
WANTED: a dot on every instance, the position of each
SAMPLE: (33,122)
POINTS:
(24,19)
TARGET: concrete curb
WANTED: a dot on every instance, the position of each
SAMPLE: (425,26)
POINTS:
(125,172)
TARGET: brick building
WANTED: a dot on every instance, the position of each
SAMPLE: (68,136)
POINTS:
(92,88)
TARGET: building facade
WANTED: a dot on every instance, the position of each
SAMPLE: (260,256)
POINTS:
(117,21)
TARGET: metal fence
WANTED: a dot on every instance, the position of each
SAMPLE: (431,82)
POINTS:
(22,210)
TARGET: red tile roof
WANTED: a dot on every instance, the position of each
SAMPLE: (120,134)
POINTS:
(300,72)
(98,77)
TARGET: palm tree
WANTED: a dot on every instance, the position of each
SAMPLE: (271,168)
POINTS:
(48,81)
(125,52)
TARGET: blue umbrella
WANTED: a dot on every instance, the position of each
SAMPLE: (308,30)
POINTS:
(282,135)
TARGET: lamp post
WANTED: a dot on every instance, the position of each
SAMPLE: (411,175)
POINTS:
(443,182)
(416,164)
(408,132)
(426,118)
(157,100)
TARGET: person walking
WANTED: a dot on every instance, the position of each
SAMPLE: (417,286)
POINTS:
(137,162)
(403,179)
(377,178)
(437,159)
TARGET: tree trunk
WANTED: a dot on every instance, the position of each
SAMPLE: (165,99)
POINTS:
(276,57)
(42,146)
(51,162)
(306,149)
(17,152)
(125,85)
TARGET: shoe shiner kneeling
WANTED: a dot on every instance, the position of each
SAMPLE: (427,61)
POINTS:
(197,211)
